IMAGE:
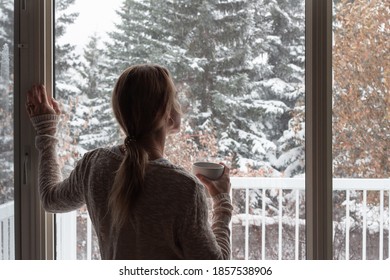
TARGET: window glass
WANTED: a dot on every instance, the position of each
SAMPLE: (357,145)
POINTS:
(239,70)
(361,122)
(7,239)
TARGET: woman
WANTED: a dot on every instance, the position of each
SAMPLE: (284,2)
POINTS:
(141,205)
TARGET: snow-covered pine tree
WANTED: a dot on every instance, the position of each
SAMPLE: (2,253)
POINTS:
(6,101)
(4,78)
(241,110)
(92,69)
(199,43)
(65,55)
(6,50)
(6,129)
(66,91)
(285,85)
(126,45)
(143,34)
(100,128)
(7,28)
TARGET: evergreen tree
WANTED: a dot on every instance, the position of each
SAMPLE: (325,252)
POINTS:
(6,101)
(241,109)
(6,51)
(65,56)
(66,91)
(100,128)
(126,45)
(7,28)
(92,68)
(5,81)
(285,84)
(142,36)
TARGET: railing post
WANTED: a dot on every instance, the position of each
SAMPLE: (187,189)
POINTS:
(7,231)
(347,225)
(89,238)
(1,238)
(364,246)
(246,223)
(297,224)
(12,238)
(67,236)
(263,225)
(280,232)
(381,202)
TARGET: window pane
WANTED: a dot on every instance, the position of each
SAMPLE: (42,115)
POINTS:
(361,63)
(239,70)
(7,239)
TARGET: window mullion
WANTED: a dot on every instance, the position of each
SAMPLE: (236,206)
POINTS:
(318,129)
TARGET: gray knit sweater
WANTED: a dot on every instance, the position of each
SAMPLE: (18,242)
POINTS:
(170,220)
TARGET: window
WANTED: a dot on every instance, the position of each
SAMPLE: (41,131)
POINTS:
(7,226)
(299,230)
(361,131)
(241,85)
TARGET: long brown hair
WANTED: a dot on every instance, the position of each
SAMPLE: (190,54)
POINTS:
(142,99)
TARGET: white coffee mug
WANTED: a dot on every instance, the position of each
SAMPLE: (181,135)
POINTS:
(208,169)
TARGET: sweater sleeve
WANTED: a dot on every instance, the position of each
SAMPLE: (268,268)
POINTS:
(198,239)
(57,195)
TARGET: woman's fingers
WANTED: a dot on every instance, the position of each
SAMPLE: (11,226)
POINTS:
(42,94)
(38,103)
(208,184)
(226,169)
(56,106)
(31,97)
(203,179)
(37,95)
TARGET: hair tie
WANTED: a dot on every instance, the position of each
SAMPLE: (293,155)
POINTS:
(129,140)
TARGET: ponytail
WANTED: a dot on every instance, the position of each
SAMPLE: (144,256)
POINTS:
(128,183)
(142,99)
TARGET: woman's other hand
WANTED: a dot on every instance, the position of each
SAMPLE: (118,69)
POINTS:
(221,185)
(39,103)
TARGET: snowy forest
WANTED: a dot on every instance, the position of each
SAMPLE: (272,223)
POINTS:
(239,67)
(6,101)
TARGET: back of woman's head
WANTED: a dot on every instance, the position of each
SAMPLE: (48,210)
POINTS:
(142,97)
(142,100)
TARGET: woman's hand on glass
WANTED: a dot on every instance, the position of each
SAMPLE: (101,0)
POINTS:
(39,103)
(218,186)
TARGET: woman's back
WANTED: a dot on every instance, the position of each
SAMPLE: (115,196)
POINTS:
(169,220)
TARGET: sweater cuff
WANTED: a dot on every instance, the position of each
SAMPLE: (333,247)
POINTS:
(45,124)
(221,196)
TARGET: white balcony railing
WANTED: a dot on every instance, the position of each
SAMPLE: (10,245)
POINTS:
(375,217)
(7,231)
(363,204)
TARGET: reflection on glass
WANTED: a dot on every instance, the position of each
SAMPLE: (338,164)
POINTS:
(7,240)
(361,123)
(239,71)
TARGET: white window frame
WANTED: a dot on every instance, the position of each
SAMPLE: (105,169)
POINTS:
(35,230)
